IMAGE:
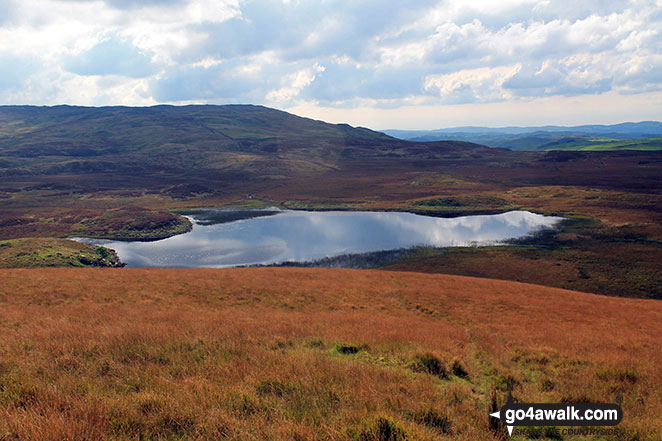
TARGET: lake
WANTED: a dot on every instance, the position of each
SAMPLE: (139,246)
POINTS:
(281,236)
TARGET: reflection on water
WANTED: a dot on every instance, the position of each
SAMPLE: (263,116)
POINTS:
(302,236)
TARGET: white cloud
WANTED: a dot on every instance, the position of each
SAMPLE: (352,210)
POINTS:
(214,11)
(565,110)
(341,53)
(112,56)
(481,84)
(294,84)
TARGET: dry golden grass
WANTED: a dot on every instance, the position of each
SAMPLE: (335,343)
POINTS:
(308,354)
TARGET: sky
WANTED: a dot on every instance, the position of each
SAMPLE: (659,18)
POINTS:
(374,63)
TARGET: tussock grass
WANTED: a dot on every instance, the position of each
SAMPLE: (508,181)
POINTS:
(428,363)
(347,349)
(253,354)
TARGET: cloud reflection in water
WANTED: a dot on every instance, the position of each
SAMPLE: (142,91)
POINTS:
(301,236)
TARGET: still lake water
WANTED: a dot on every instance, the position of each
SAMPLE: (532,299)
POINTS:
(304,236)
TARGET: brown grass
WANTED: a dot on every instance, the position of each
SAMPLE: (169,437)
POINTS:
(261,354)
(616,269)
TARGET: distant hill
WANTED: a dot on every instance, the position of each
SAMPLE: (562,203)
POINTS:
(217,151)
(586,137)
(241,139)
(112,172)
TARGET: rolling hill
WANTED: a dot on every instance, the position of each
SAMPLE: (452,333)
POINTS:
(310,354)
(236,140)
(122,173)
(625,136)
(217,150)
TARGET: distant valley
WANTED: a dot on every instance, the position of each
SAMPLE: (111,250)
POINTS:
(645,135)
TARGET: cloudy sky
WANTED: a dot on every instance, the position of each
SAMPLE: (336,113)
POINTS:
(381,64)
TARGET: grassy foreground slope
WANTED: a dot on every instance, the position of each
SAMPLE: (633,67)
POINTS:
(301,354)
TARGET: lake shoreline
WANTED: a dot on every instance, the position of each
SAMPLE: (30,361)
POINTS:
(330,238)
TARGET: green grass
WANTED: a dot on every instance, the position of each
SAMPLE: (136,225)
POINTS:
(647,144)
(249,204)
(51,252)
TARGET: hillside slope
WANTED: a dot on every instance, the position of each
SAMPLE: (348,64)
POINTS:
(248,354)
(241,140)
(117,172)
(190,151)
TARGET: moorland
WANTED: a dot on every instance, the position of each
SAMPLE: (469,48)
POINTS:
(412,351)
(123,173)
(310,354)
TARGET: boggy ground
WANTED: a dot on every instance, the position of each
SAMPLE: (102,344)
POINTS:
(616,249)
(310,354)
(612,244)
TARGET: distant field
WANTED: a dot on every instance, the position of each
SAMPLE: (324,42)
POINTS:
(648,144)
(627,136)
(301,354)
